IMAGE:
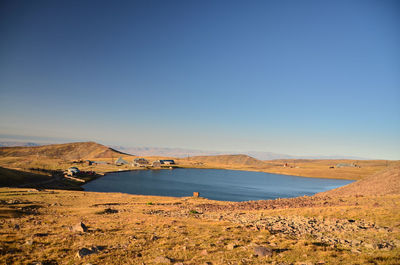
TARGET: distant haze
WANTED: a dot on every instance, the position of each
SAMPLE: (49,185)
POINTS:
(181,152)
(10,144)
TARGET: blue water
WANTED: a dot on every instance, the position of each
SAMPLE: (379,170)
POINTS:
(216,184)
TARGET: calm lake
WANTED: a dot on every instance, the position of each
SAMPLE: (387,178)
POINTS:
(216,184)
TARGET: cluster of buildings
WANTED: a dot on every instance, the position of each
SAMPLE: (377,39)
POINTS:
(143,162)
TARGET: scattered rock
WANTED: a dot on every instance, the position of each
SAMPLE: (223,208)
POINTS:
(204,252)
(14,201)
(41,234)
(369,246)
(110,211)
(86,251)
(231,246)
(164,260)
(262,251)
(154,238)
(386,245)
(80,227)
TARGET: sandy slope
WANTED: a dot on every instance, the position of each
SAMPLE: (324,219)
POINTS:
(382,183)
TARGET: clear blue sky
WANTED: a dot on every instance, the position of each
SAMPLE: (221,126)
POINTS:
(296,77)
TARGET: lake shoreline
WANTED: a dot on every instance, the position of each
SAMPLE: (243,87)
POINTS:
(215,184)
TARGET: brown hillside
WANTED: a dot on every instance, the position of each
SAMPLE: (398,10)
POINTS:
(233,160)
(69,151)
(10,177)
(382,183)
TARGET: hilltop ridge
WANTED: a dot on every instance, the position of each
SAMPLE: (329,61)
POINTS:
(68,151)
(230,160)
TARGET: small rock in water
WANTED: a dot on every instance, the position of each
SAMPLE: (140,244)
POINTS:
(262,251)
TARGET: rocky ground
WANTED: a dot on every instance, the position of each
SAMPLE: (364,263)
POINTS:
(73,227)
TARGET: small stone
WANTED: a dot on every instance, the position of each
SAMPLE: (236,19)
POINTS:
(80,227)
(85,251)
(29,242)
(369,246)
(354,250)
(204,252)
(110,211)
(163,260)
(231,246)
(262,251)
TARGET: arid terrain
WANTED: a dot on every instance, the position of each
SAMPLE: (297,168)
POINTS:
(355,224)
(62,156)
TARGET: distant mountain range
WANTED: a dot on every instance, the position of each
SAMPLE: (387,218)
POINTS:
(182,152)
(12,144)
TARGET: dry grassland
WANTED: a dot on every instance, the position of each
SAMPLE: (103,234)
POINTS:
(129,229)
(357,224)
(298,167)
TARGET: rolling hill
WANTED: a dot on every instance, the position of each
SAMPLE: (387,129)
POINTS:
(228,160)
(69,151)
